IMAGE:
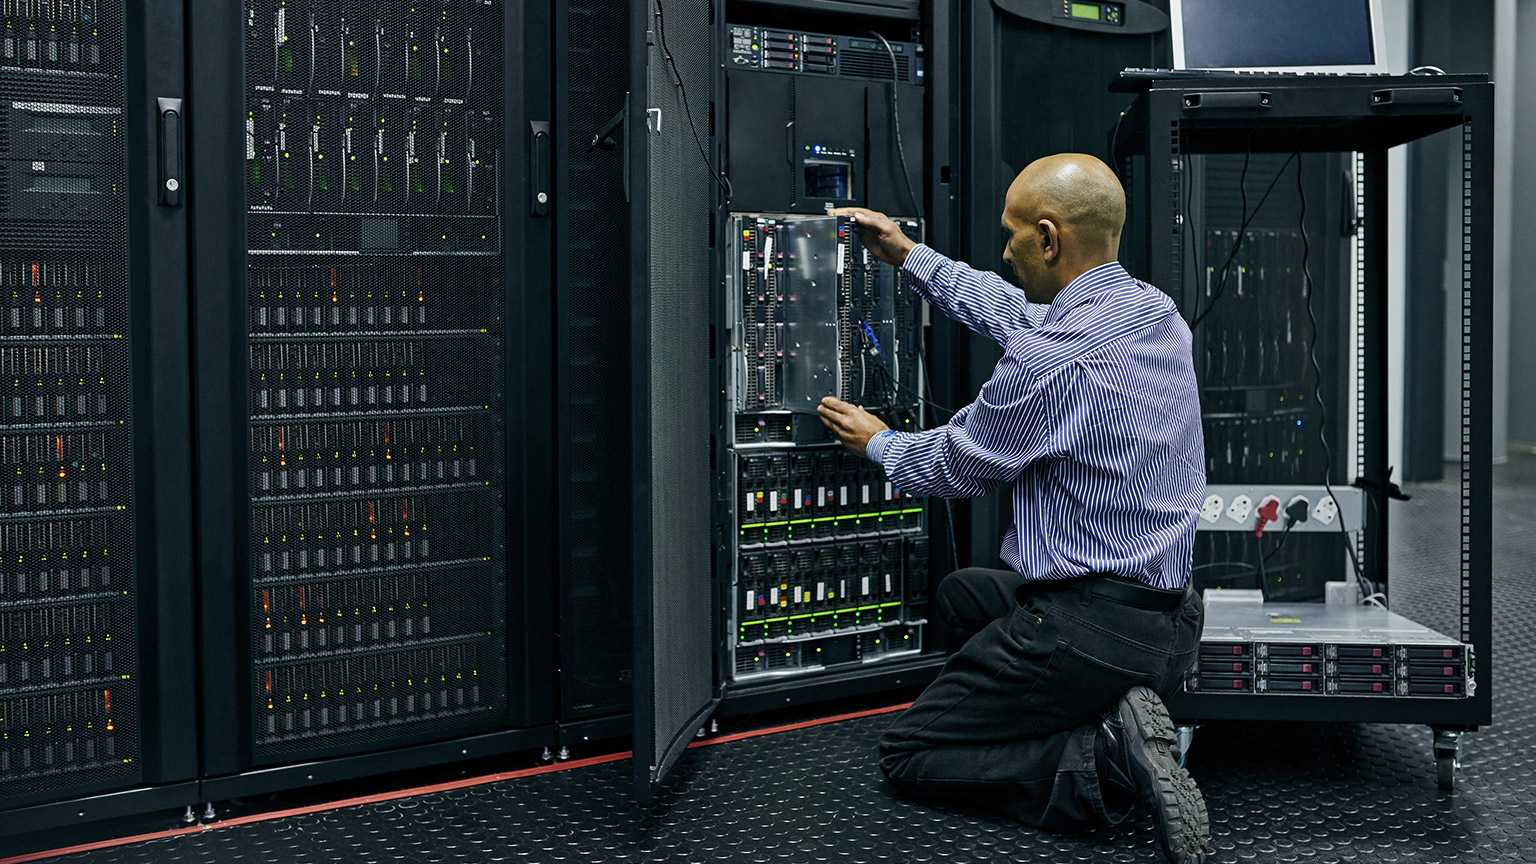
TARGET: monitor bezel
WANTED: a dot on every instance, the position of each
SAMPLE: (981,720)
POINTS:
(1378,47)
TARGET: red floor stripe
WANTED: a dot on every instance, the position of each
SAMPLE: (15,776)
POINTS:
(738,736)
(428,790)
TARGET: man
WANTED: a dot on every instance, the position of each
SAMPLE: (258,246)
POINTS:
(1050,711)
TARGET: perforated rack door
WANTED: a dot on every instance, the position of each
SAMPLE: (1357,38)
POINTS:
(69,664)
(670,375)
(377,527)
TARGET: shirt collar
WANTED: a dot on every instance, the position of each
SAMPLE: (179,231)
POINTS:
(1083,288)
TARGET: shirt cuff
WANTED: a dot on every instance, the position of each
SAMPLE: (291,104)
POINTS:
(922,262)
(876,445)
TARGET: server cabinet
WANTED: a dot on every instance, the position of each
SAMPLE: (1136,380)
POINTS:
(1008,45)
(593,391)
(95,564)
(363,389)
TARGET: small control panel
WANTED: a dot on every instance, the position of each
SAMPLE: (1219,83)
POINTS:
(825,54)
(1110,14)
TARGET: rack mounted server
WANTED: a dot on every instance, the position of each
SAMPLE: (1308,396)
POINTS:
(376,592)
(69,626)
(830,559)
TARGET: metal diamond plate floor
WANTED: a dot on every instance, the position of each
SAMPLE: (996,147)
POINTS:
(1312,792)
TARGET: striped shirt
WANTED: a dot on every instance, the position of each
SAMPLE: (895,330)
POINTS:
(1092,414)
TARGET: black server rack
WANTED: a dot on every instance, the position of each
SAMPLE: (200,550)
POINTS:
(596,645)
(1009,45)
(823,566)
(95,580)
(372,341)
(1265,409)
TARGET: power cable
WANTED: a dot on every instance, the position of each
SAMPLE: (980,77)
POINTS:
(1366,587)
(677,75)
(901,152)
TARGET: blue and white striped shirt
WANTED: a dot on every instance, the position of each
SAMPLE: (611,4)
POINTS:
(1092,414)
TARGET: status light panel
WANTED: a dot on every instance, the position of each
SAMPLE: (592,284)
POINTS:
(377,595)
(68,599)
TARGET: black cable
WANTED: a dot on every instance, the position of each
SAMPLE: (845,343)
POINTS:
(1258,543)
(1245,564)
(949,506)
(1283,535)
(720,178)
(906,175)
(1317,383)
(1189,228)
(1242,232)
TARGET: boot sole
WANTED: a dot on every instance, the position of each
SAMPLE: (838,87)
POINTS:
(1176,803)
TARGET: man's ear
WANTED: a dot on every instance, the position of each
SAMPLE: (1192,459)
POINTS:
(1049,238)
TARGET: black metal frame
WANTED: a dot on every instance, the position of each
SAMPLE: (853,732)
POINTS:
(218,277)
(1367,115)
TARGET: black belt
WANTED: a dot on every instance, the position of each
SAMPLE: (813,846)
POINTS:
(1119,589)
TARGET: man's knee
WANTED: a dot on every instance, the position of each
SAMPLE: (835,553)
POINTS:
(968,596)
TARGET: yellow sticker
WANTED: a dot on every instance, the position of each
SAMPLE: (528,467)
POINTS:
(1282,619)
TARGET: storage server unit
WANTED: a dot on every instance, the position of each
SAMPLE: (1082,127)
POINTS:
(829,558)
(71,715)
(810,121)
(376,589)
(1322,650)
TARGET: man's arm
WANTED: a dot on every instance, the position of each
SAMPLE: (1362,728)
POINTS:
(988,443)
(982,301)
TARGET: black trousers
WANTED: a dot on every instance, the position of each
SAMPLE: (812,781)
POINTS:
(1009,724)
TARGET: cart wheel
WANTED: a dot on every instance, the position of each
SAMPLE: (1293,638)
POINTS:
(1185,736)
(1446,765)
(1446,744)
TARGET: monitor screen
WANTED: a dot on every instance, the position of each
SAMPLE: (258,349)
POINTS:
(1278,35)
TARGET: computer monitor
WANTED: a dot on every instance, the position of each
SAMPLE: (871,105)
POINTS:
(1279,35)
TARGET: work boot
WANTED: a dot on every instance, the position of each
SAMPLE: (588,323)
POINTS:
(1134,752)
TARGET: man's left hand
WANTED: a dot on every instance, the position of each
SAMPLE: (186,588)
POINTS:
(851,424)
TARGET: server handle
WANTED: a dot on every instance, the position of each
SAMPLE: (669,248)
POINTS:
(171,162)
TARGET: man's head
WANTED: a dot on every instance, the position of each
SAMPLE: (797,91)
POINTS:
(1063,217)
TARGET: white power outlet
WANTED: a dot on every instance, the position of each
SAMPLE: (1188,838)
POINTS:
(1241,506)
(1326,510)
(1212,509)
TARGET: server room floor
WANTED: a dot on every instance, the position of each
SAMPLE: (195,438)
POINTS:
(1276,792)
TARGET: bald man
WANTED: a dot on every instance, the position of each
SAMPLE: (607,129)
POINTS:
(1050,709)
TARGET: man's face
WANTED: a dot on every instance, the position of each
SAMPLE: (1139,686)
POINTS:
(1022,251)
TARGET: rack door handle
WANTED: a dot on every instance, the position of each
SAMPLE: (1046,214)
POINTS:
(540,171)
(171,162)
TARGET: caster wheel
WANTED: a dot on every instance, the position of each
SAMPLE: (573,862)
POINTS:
(1445,765)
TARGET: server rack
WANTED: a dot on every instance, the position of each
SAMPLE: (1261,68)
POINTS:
(95,572)
(822,596)
(1006,44)
(366,359)
(1284,666)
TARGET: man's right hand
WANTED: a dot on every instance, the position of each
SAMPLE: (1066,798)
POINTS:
(879,234)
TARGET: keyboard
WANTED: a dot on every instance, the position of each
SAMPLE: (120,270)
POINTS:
(1139,80)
